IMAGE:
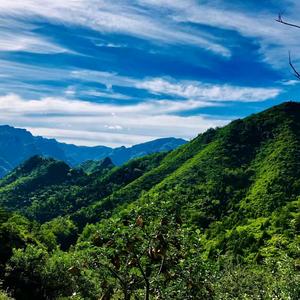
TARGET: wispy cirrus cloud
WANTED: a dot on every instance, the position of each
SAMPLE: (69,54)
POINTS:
(12,42)
(164,86)
(182,88)
(111,17)
(274,39)
(18,35)
(208,92)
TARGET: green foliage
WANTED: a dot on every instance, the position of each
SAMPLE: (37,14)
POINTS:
(60,231)
(275,279)
(15,233)
(218,218)
(23,272)
(4,296)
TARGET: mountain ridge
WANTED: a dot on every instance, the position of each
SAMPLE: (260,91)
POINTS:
(17,145)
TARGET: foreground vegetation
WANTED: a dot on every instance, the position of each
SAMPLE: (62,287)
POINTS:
(218,218)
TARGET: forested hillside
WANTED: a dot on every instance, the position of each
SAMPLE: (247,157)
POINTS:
(217,218)
(43,188)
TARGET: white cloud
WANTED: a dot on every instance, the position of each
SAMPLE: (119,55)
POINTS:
(165,21)
(91,138)
(84,122)
(22,71)
(113,17)
(274,39)
(91,123)
(110,45)
(11,41)
(18,35)
(190,90)
(290,82)
(113,127)
(208,92)
(106,94)
(182,88)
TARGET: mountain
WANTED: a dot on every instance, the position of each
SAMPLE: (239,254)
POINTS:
(17,145)
(217,218)
(123,154)
(45,188)
(97,166)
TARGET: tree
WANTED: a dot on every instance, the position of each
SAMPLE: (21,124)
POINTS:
(281,21)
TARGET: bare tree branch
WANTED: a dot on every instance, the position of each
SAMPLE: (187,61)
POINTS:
(161,265)
(296,73)
(279,20)
(146,279)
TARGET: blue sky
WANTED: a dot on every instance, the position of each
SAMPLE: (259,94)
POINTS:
(99,72)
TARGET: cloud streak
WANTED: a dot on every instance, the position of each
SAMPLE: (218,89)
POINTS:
(274,39)
(183,88)
(110,17)
(208,92)
(90,123)
(164,86)
(115,125)
(19,36)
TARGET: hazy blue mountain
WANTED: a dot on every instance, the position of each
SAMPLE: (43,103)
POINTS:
(17,145)
(123,154)
(79,154)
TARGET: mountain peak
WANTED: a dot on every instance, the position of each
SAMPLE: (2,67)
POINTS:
(37,162)
(94,166)
(33,162)
(277,114)
(286,107)
(106,162)
(291,103)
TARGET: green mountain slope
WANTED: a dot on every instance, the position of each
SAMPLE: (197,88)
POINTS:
(247,175)
(132,191)
(43,188)
(217,218)
(218,163)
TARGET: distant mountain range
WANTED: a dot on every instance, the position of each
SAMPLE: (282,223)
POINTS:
(17,145)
